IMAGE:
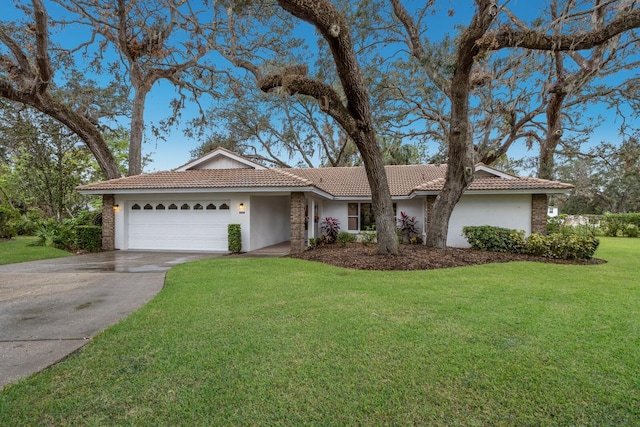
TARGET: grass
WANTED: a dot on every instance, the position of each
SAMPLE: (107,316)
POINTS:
(235,341)
(21,249)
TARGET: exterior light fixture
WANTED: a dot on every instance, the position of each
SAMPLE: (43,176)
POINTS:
(241,208)
(116,207)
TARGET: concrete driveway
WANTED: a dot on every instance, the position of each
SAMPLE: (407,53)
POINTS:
(50,308)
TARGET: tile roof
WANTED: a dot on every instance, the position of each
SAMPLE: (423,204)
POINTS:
(352,181)
(496,183)
(201,178)
(338,182)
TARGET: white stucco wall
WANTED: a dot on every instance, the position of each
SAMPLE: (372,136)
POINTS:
(125,201)
(270,221)
(508,211)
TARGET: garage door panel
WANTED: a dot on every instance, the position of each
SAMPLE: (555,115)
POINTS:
(178,229)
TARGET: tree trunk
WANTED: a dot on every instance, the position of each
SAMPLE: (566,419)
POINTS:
(460,161)
(380,193)
(331,24)
(546,164)
(460,164)
(137,131)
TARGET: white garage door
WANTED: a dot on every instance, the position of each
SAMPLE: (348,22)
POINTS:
(185,226)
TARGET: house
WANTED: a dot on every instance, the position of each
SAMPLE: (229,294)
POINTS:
(189,208)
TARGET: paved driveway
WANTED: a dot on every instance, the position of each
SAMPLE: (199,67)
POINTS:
(50,308)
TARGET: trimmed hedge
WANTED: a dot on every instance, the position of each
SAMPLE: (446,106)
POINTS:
(89,237)
(495,239)
(234,238)
(562,246)
(557,246)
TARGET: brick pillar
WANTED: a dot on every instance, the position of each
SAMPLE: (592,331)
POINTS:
(296,214)
(108,223)
(428,210)
(539,204)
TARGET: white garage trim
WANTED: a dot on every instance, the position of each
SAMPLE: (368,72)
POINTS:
(187,225)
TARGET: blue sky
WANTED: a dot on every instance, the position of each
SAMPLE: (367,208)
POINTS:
(175,150)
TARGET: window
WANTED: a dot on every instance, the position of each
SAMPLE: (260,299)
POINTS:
(224,206)
(360,216)
(197,207)
(172,207)
(160,207)
(211,206)
(352,216)
(148,207)
(135,207)
(185,207)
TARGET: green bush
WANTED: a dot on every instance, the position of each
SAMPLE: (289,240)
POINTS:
(56,235)
(617,224)
(89,237)
(555,224)
(345,237)
(557,245)
(235,238)
(495,239)
(369,235)
(7,215)
(631,230)
(562,246)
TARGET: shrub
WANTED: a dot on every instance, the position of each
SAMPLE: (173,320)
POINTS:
(555,224)
(562,246)
(330,227)
(496,239)
(617,224)
(345,237)
(7,231)
(89,237)
(631,230)
(87,217)
(234,238)
(314,242)
(56,235)
(408,226)
(369,235)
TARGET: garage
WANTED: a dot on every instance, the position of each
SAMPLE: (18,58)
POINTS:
(199,225)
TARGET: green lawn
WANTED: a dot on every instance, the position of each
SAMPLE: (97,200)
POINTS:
(21,249)
(236,341)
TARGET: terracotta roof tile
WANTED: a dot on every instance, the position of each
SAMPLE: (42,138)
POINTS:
(496,183)
(352,181)
(339,182)
(203,178)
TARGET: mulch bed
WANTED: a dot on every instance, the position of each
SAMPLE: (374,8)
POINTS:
(416,257)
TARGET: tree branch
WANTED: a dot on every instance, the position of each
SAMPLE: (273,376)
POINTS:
(530,39)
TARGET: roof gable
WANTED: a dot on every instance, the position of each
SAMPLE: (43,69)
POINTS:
(484,171)
(220,158)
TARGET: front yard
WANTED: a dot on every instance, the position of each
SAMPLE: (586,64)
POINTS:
(21,249)
(237,341)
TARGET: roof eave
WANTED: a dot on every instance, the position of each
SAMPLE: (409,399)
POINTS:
(499,191)
(197,190)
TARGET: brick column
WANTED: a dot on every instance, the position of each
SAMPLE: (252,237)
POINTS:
(296,213)
(539,205)
(108,223)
